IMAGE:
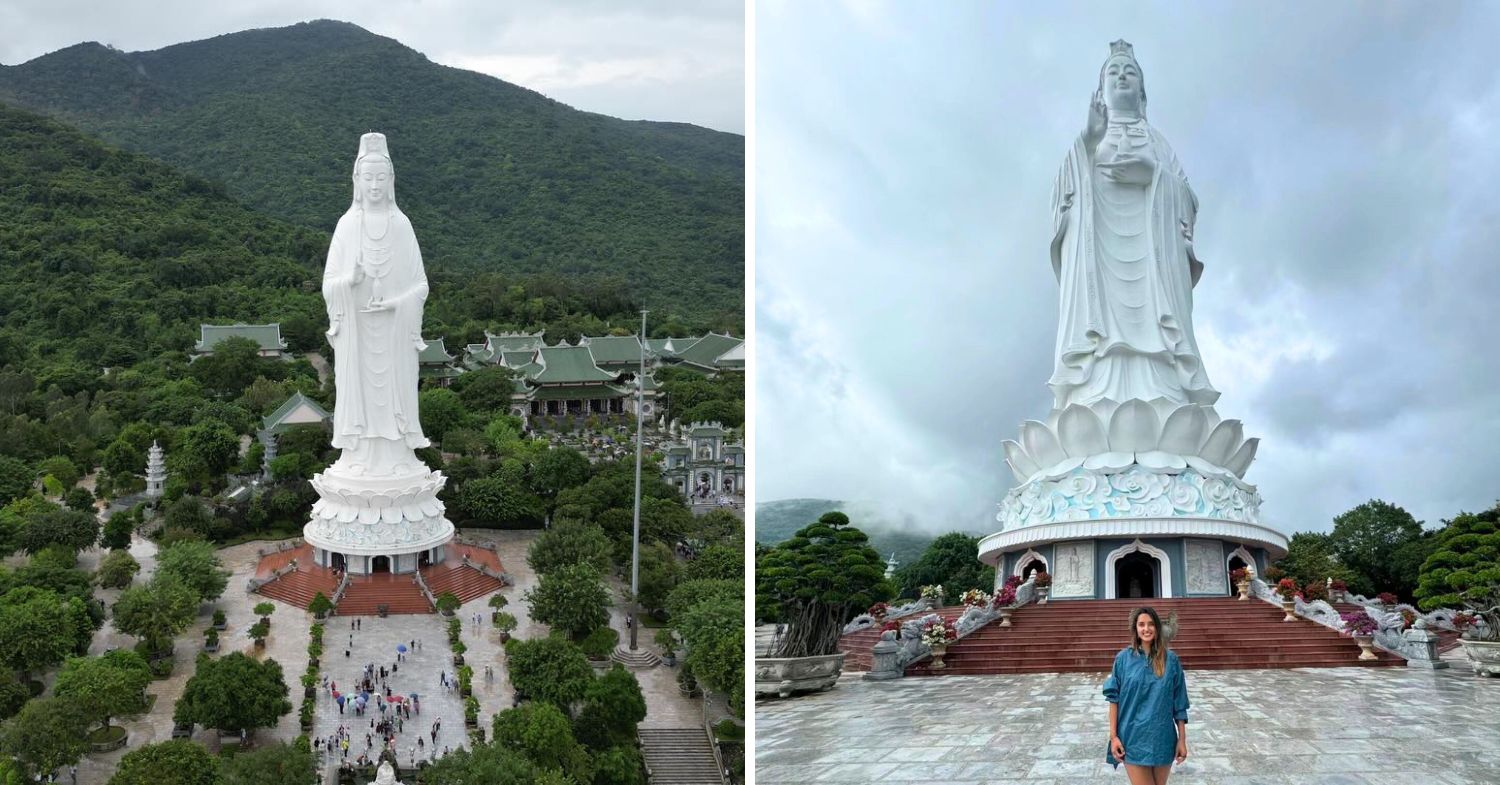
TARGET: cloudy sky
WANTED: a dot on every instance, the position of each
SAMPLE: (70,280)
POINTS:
(636,59)
(1346,157)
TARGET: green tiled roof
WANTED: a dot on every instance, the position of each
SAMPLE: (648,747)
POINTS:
(274,419)
(615,349)
(706,350)
(267,335)
(569,365)
(666,347)
(434,353)
(516,359)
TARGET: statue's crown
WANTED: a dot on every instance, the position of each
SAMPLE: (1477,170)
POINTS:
(1121,47)
(372,144)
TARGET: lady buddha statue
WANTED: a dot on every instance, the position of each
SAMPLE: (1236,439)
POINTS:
(1122,251)
(374,288)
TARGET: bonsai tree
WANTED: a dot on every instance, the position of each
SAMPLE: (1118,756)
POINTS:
(320,605)
(264,611)
(234,693)
(258,631)
(505,623)
(1464,571)
(219,620)
(817,581)
(211,639)
(447,603)
(497,601)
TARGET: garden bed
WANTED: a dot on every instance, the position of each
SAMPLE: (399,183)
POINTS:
(106,739)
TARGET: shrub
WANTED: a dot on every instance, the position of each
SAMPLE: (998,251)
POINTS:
(447,602)
(1287,588)
(1274,574)
(1464,569)
(1359,623)
(1314,591)
(320,604)
(600,643)
(1386,598)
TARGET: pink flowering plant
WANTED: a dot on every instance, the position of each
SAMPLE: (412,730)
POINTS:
(1004,598)
(939,632)
(879,610)
(1359,623)
(1338,585)
(1386,598)
(1014,582)
(1239,575)
(1042,579)
(892,626)
(1287,588)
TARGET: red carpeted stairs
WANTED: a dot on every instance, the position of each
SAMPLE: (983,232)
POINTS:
(298,587)
(366,593)
(1214,634)
(466,583)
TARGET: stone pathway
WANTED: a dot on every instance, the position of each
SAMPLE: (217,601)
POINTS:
(1314,726)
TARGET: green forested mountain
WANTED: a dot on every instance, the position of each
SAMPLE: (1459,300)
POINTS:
(494,177)
(776,521)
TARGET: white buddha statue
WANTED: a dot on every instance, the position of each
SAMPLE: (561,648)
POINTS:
(1122,251)
(374,288)
(385,775)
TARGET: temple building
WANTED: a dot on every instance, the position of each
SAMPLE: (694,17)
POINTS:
(703,465)
(267,336)
(296,410)
(435,363)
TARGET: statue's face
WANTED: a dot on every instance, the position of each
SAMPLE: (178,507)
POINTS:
(1122,83)
(374,182)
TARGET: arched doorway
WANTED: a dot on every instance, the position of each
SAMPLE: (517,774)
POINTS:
(424,559)
(337,561)
(380,564)
(1136,575)
(1033,567)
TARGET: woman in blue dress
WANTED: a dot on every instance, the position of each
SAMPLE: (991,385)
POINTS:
(1148,704)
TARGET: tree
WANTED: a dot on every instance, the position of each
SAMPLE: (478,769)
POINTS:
(612,708)
(557,470)
(496,502)
(38,628)
(1309,560)
(61,467)
(488,763)
(234,693)
(730,414)
(123,457)
(156,612)
(117,570)
(79,499)
(572,598)
(56,526)
(112,684)
(276,764)
(817,581)
(47,734)
(487,389)
(549,669)
(117,531)
(190,513)
(951,561)
(196,565)
(659,574)
(570,542)
(13,695)
(206,450)
(541,732)
(176,762)
(716,562)
(690,593)
(714,632)
(15,479)
(234,365)
(1464,568)
(441,411)
(1367,538)
(619,765)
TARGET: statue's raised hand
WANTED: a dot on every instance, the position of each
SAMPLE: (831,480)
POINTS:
(1093,131)
(1128,169)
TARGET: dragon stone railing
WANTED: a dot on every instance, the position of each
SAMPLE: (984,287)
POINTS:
(864,621)
(1415,645)
(973,618)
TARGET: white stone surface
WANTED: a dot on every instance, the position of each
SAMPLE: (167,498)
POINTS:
(378,498)
(1074,569)
(1205,567)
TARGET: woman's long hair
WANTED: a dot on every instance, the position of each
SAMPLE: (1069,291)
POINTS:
(1158,653)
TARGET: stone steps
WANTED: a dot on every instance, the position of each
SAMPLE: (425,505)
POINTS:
(367,592)
(679,756)
(466,583)
(640,659)
(298,588)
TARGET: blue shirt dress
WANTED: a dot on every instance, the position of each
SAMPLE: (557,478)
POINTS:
(1149,708)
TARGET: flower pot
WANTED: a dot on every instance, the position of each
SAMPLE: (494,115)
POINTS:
(260,643)
(1244,587)
(1366,646)
(1484,656)
(1041,595)
(937,657)
(458,659)
(1289,606)
(785,675)
(1005,617)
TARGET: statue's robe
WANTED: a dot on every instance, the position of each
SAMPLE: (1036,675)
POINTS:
(1126,272)
(375,353)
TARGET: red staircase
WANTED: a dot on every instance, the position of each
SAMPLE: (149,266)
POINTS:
(1083,636)
(298,587)
(466,583)
(366,593)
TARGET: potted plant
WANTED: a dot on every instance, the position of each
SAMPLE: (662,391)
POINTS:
(1363,628)
(1004,601)
(258,631)
(1462,573)
(1043,583)
(465,681)
(795,585)
(686,684)
(383,610)
(220,623)
(975,598)
(264,611)
(933,595)
(497,603)
(1314,591)
(1240,577)
(309,684)
(936,634)
(320,605)
(447,603)
(1387,599)
(506,624)
(666,640)
(1338,591)
(210,640)
(892,626)
(1274,574)
(1287,588)
(471,712)
(878,611)
(458,653)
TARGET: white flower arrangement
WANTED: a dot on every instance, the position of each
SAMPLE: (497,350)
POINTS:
(938,632)
(975,598)
(933,592)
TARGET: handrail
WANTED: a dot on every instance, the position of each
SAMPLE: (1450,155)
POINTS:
(426,592)
(338,593)
(913,650)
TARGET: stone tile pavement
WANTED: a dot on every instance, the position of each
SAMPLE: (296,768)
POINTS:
(1314,726)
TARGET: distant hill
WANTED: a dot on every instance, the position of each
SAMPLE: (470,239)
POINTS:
(494,176)
(776,521)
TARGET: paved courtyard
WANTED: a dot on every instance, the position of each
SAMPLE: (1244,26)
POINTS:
(1313,726)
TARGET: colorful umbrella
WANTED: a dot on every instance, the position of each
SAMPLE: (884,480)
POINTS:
(401,647)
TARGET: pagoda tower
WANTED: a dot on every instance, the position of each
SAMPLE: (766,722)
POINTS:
(156,472)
